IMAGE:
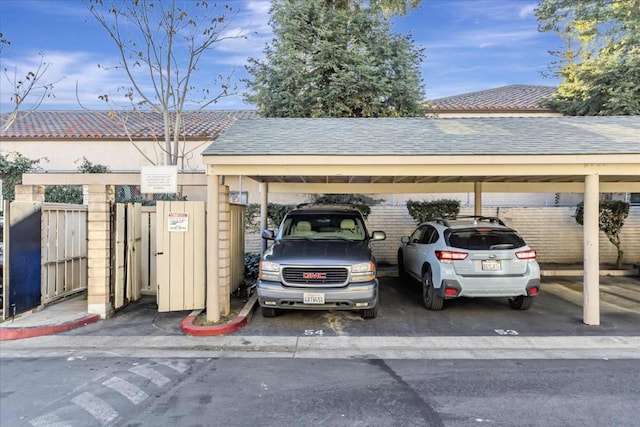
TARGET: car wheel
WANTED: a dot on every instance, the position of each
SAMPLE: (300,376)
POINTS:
(402,273)
(521,302)
(370,313)
(268,312)
(431,299)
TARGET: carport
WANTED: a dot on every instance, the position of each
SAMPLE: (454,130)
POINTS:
(589,155)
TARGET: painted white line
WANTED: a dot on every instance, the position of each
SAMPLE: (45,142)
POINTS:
(576,297)
(176,365)
(49,420)
(151,374)
(98,408)
(128,390)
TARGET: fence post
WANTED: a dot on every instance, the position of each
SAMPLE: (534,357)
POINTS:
(99,255)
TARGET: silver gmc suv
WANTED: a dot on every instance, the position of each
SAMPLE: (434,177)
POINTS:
(320,259)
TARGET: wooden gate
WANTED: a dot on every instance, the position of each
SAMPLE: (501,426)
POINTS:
(180,255)
(64,250)
(127,253)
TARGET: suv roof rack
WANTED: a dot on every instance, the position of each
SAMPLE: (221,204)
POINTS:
(476,218)
(326,205)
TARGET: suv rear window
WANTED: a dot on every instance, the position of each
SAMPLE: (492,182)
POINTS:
(484,239)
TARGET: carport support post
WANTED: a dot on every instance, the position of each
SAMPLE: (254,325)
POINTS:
(213,249)
(591,286)
(477,198)
(264,203)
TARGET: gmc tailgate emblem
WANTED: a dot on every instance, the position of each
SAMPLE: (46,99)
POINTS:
(314,275)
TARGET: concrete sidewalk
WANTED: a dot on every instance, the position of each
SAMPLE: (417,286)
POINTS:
(72,313)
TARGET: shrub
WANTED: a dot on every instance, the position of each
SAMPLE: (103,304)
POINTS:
(611,219)
(424,211)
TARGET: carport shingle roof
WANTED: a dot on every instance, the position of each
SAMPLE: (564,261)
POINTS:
(431,136)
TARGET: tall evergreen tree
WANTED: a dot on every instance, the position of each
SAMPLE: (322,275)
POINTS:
(335,58)
(601,65)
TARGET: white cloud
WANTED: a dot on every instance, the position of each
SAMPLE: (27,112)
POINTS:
(527,11)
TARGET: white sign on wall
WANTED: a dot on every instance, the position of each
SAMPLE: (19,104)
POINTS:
(159,179)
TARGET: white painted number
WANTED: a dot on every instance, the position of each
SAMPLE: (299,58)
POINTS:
(309,332)
(506,332)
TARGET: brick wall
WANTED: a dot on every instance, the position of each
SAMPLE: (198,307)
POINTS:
(551,231)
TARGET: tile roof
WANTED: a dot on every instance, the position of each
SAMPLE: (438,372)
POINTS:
(505,98)
(204,124)
(431,136)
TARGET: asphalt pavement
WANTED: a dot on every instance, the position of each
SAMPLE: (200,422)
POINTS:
(465,328)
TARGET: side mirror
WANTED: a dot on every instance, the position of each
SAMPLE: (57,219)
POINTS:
(268,234)
(404,239)
(378,235)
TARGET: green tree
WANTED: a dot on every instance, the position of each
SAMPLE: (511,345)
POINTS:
(336,59)
(12,166)
(600,68)
(611,219)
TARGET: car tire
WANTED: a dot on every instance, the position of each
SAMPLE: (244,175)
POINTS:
(402,272)
(370,313)
(431,299)
(268,312)
(521,302)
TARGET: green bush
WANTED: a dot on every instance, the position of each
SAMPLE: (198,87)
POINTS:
(356,201)
(251,265)
(275,214)
(424,211)
(611,220)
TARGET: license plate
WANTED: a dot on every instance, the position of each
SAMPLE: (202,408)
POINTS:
(311,298)
(491,265)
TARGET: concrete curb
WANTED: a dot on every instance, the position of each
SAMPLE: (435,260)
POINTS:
(239,322)
(574,273)
(9,333)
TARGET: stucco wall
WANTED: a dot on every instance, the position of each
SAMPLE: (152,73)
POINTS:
(551,231)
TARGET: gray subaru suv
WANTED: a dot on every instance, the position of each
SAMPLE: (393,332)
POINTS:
(320,259)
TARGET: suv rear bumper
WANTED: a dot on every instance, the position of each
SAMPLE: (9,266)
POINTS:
(355,296)
(494,287)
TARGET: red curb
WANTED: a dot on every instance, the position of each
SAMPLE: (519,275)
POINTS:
(10,333)
(239,322)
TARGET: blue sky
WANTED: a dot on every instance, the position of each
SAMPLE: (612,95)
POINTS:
(470,45)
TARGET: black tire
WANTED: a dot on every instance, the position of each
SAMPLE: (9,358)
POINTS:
(521,302)
(268,312)
(430,298)
(370,313)
(402,272)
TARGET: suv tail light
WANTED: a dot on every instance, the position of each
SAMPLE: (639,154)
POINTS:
(529,255)
(448,256)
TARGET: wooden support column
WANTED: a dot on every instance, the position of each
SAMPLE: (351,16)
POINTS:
(591,285)
(264,203)
(213,242)
(101,197)
(477,198)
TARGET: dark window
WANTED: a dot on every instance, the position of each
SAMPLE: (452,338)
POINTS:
(416,236)
(484,239)
(430,236)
